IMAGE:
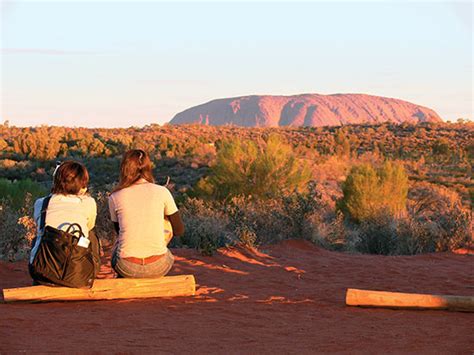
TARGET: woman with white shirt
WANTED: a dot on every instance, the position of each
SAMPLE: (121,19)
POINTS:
(138,208)
(69,205)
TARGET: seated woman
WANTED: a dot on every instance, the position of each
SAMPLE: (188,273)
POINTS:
(138,208)
(68,205)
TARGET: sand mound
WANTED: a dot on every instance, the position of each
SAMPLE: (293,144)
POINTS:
(284,298)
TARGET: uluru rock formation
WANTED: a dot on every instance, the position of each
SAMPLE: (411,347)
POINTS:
(305,110)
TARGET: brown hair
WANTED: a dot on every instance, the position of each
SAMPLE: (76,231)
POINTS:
(69,178)
(136,164)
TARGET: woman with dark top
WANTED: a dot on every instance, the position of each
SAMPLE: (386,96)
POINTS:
(138,208)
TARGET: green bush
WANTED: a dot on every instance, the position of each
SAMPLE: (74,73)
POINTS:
(15,191)
(370,191)
(246,168)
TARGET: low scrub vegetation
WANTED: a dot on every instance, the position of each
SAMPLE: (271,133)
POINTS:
(17,229)
(15,192)
(382,189)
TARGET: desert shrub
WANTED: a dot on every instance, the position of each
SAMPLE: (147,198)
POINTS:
(17,229)
(330,233)
(440,147)
(252,221)
(376,235)
(331,168)
(7,163)
(342,144)
(413,237)
(206,226)
(297,215)
(243,220)
(300,208)
(369,191)
(103,226)
(435,221)
(441,222)
(255,222)
(15,191)
(470,150)
(244,167)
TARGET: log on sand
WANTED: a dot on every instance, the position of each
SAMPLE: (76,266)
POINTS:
(107,289)
(366,298)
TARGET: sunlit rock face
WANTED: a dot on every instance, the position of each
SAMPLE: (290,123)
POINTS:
(310,110)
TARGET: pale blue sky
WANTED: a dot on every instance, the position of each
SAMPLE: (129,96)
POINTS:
(124,63)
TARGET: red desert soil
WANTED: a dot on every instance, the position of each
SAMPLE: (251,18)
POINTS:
(286,298)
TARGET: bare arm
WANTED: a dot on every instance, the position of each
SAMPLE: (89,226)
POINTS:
(177,224)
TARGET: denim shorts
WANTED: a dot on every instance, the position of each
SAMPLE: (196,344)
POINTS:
(157,269)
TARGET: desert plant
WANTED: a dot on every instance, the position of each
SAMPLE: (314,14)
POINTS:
(370,191)
(206,226)
(246,168)
(342,144)
(377,235)
(440,147)
(103,226)
(16,191)
(299,207)
(254,221)
(439,213)
(435,221)
(18,229)
(332,233)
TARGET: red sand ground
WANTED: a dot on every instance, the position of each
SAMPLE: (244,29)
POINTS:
(288,298)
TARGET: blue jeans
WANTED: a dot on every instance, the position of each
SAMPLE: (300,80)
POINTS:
(157,269)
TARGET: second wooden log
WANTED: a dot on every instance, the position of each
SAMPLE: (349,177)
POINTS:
(367,298)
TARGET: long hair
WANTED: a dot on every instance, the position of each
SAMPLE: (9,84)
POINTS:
(69,178)
(136,164)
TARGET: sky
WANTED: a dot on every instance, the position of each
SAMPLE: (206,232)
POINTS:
(132,63)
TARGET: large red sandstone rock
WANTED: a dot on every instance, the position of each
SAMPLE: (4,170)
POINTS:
(305,110)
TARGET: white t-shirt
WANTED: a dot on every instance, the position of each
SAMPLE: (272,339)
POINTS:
(64,210)
(140,210)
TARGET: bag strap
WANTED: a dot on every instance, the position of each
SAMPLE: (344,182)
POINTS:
(44,208)
(78,228)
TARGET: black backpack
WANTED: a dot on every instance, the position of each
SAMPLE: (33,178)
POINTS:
(59,259)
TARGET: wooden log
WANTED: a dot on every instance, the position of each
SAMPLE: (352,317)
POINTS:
(107,289)
(367,298)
